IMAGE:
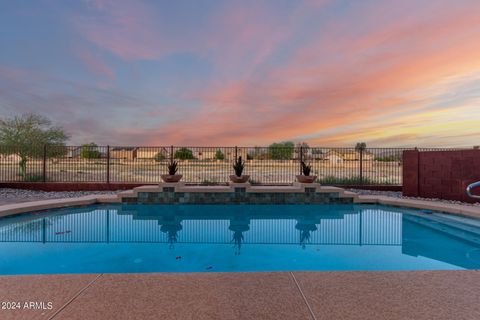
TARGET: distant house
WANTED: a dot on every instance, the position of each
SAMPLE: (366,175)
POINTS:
(204,154)
(350,155)
(14,158)
(230,153)
(339,156)
(318,154)
(367,156)
(74,152)
(307,153)
(125,153)
(334,157)
(210,153)
(145,153)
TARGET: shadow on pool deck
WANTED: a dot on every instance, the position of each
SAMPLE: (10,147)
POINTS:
(282,295)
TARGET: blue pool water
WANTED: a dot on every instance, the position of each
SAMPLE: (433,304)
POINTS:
(204,238)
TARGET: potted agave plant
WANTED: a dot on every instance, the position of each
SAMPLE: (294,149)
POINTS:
(172,175)
(238,177)
(305,177)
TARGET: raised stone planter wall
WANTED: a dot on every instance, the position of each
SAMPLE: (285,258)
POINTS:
(238,194)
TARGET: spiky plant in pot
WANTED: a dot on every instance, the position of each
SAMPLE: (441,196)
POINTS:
(172,175)
(172,168)
(306,169)
(305,177)
(238,166)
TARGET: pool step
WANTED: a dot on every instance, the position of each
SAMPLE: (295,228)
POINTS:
(126,194)
(467,225)
(460,231)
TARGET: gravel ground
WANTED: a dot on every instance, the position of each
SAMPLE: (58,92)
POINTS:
(20,195)
(398,194)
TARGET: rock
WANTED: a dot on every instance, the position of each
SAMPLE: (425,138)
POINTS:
(8,195)
(398,194)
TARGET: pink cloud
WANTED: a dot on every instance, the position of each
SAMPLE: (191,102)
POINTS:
(95,64)
(125,28)
(300,97)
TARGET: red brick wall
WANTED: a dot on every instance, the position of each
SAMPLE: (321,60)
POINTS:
(440,174)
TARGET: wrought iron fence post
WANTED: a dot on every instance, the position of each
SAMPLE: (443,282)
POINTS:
(361,165)
(301,159)
(236,153)
(171,153)
(108,164)
(44,168)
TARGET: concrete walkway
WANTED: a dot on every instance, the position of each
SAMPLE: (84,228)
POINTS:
(284,295)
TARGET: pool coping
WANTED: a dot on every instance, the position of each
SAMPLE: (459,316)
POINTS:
(456,209)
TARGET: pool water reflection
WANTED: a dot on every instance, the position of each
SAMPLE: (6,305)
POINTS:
(191,238)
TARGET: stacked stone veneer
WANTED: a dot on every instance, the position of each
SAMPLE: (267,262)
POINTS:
(237,194)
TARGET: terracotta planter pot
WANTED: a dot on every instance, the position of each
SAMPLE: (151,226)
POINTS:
(306,179)
(242,179)
(170,178)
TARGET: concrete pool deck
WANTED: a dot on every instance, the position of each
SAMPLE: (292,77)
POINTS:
(282,295)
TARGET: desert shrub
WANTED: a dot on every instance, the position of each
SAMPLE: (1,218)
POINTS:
(33,177)
(184,154)
(281,150)
(219,155)
(393,158)
(90,151)
(355,180)
(345,180)
(207,182)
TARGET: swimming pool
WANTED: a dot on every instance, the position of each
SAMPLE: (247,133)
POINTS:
(230,238)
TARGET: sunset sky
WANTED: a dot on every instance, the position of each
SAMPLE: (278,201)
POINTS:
(201,72)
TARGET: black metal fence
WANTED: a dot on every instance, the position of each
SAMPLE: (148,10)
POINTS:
(200,165)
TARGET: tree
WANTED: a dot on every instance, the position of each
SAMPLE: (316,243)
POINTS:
(360,146)
(219,155)
(184,154)
(27,136)
(281,150)
(90,151)
(303,147)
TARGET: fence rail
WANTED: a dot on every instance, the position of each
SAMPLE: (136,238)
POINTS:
(200,165)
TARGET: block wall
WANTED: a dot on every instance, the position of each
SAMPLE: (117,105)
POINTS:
(440,174)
